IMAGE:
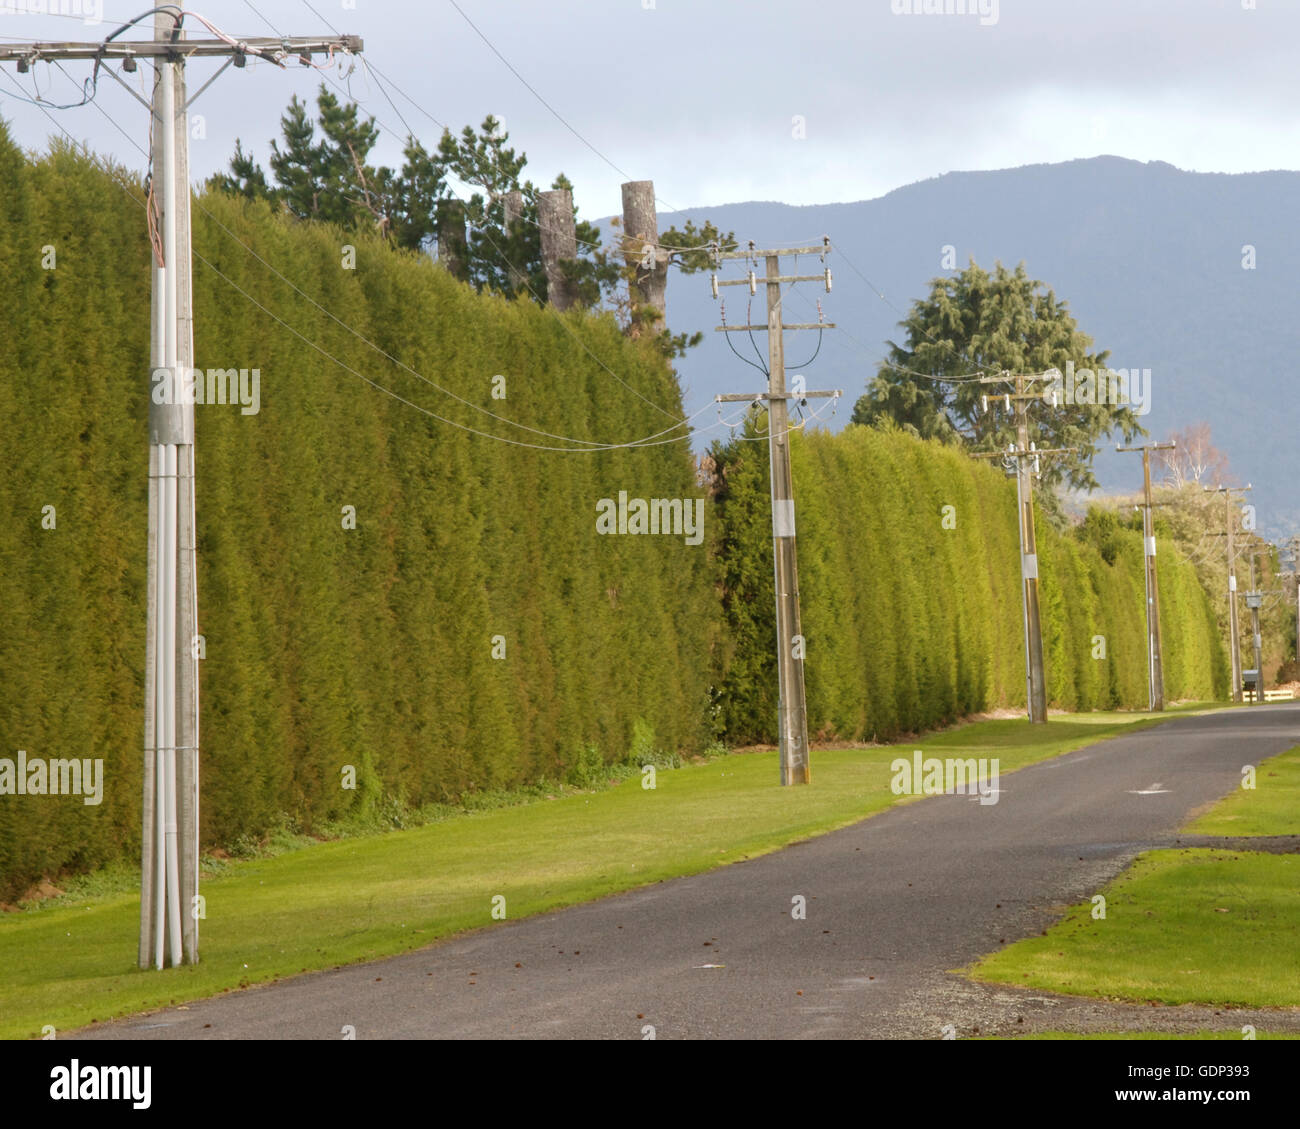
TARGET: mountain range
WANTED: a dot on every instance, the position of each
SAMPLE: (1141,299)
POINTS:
(1182,273)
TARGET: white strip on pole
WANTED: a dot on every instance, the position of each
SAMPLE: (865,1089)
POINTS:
(169,611)
(160,736)
(159,465)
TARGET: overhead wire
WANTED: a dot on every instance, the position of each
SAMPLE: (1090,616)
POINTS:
(648,441)
(528,286)
(613,247)
(298,290)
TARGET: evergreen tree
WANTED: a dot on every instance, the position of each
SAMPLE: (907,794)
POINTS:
(991,323)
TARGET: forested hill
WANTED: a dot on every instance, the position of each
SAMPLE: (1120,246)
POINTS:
(1149,258)
(385,587)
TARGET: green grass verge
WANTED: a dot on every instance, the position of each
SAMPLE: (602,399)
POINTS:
(1186,926)
(358,899)
(1272,807)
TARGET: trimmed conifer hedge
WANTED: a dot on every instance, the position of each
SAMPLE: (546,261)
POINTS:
(910,594)
(472,632)
(475,629)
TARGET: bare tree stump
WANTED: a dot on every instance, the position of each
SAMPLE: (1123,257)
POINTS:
(453,250)
(559,242)
(642,252)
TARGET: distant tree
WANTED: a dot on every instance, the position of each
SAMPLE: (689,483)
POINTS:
(507,256)
(298,167)
(245,178)
(1195,460)
(324,175)
(329,179)
(980,322)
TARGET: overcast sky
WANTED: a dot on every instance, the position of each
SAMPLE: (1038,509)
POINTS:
(708,97)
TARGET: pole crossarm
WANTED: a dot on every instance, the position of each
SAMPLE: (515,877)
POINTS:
(741,397)
(1010,377)
(778,278)
(754,253)
(272,49)
(1017,454)
(751,328)
(1149,447)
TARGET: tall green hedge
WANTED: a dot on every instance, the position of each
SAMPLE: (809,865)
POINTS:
(325,646)
(912,621)
(373,646)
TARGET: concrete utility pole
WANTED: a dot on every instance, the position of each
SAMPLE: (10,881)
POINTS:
(170,855)
(792,713)
(559,242)
(643,253)
(1155,660)
(1024,458)
(1234,629)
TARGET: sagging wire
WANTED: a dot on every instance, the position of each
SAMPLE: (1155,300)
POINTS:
(727,335)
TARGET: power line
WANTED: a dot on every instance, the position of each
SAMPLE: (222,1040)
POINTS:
(648,441)
(595,444)
(317,14)
(260,16)
(532,90)
(613,247)
(528,286)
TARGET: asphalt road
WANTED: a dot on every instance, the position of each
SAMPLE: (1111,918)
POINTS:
(893,903)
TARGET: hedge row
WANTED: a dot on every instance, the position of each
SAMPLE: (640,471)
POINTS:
(476,629)
(910,593)
(473,631)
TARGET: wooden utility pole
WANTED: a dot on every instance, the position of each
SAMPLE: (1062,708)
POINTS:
(1155,660)
(1254,598)
(644,256)
(1295,566)
(792,712)
(169,902)
(1234,628)
(559,243)
(1023,458)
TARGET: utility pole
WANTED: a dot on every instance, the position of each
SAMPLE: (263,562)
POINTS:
(1295,568)
(1234,629)
(1155,661)
(792,713)
(1254,598)
(169,907)
(1024,457)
